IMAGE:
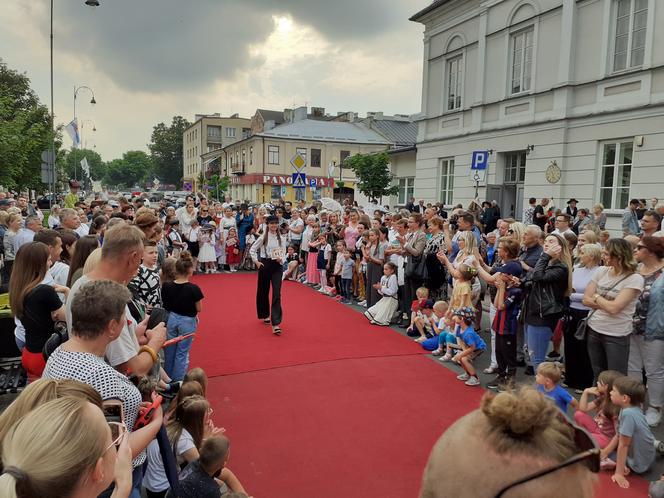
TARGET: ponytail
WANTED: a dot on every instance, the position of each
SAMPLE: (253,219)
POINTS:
(9,485)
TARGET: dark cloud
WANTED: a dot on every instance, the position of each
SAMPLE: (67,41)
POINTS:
(175,45)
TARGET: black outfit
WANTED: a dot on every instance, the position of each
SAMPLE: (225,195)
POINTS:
(196,483)
(269,274)
(36,318)
(578,372)
(571,212)
(410,206)
(490,218)
(540,222)
(181,298)
(546,286)
(530,255)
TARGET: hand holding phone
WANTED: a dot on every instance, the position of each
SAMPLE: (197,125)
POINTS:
(146,413)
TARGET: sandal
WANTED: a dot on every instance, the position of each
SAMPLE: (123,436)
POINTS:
(266,321)
(276,330)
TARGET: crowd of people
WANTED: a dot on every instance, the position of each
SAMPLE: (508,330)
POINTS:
(567,302)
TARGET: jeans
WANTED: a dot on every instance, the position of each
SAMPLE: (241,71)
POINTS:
(347,288)
(176,356)
(648,355)
(607,352)
(538,338)
(492,315)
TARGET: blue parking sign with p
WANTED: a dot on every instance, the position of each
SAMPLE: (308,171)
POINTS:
(480,160)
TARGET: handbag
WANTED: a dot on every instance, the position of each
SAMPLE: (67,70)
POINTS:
(416,267)
(581,328)
(59,336)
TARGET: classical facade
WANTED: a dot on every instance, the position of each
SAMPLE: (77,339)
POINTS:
(209,132)
(566,96)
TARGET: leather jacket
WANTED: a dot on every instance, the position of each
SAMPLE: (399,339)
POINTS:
(546,285)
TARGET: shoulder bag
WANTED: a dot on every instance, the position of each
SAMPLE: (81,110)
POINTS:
(581,328)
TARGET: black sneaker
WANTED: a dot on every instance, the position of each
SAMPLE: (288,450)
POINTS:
(412,333)
(529,370)
(495,383)
(553,355)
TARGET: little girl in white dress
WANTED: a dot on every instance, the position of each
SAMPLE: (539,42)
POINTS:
(207,255)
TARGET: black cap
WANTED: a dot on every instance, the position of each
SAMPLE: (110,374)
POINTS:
(272,219)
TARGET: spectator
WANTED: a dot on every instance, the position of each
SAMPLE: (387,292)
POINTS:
(98,319)
(413,248)
(54,217)
(571,210)
(540,215)
(578,373)
(630,219)
(13,226)
(651,224)
(58,270)
(599,217)
(436,280)
(612,292)
(523,427)
(563,224)
(646,343)
(529,211)
(532,249)
(72,455)
(27,234)
(582,219)
(69,219)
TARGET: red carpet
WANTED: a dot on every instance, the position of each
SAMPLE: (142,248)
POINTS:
(335,407)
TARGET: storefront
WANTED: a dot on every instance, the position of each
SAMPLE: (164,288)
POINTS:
(267,188)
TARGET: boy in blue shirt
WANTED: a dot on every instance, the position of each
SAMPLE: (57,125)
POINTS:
(471,344)
(634,440)
(547,378)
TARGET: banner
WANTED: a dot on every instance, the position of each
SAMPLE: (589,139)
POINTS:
(85,166)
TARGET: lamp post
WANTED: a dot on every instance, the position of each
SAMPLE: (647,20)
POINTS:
(92,3)
(92,101)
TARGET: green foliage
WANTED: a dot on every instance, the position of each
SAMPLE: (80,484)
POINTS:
(25,131)
(216,186)
(373,174)
(166,149)
(72,163)
(132,169)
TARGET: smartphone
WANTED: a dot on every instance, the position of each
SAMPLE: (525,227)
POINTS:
(113,410)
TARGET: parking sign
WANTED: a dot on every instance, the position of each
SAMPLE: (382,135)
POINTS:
(480,160)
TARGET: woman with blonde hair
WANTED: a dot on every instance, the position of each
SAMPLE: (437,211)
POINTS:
(578,374)
(548,284)
(516,231)
(73,454)
(612,294)
(599,216)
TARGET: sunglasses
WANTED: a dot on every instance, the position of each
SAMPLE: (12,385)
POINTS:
(118,431)
(588,454)
(510,231)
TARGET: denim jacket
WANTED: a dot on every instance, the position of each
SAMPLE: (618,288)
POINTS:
(655,320)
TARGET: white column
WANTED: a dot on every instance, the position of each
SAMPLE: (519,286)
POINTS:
(567,37)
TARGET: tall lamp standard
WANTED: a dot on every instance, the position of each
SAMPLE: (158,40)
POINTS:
(91,3)
(92,101)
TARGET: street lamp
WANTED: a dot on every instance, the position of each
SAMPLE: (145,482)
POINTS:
(91,3)
(94,129)
(92,101)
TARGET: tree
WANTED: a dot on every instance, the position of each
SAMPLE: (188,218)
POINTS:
(215,185)
(166,149)
(133,168)
(25,131)
(72,164)
(373,174)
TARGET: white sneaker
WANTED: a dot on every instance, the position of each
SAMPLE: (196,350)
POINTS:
(472,381)
(653,416)
(362,303)
(463,376)
(445,357)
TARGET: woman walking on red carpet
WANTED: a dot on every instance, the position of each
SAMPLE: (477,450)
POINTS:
(269,254)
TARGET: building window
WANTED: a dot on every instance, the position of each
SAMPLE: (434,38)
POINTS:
(343,155)
(315,158)
(244,157)
(300,194)
(230,132)
(303,153)
(214,132)
(276,192)
(522,60)
(515,167)
(630,42)
(251,156)
(446,180)
(246,133)
(273,154)
(616,174)
(406,190)
(454,82)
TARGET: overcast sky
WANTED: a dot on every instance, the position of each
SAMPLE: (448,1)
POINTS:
(148,60)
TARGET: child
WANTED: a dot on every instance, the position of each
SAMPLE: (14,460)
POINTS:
(292,263)
(197,374)
(339,247)
(313,275)
(206,256)
(323,260)
(192,243)
(462,290)
(147,284)
(420,313)
(634,441)
(347,267)
(232,249)
(505,324)
(547,377)
(388,287)
(471,345)
(444,340)
(183,301)
(168,270)
(602,427)
(176,243)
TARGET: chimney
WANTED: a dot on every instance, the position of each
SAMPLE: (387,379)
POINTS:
(288,115)
(318,112)
(300,114)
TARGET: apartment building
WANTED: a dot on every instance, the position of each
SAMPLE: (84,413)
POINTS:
(567,97)
(209,132)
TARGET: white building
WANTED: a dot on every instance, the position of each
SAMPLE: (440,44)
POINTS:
(567,95)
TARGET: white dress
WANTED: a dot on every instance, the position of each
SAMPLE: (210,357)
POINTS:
(207,253)
(381,313)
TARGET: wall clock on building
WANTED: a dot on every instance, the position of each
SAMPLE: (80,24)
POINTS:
(553,173)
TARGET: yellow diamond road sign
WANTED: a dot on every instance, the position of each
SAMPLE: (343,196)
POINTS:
(298,162)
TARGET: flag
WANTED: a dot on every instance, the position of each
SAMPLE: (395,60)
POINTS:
(85,166)
(72,129)
(330,170)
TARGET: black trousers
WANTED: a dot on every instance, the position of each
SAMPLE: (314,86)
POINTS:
(506,354)
(269,274)
(578,372)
